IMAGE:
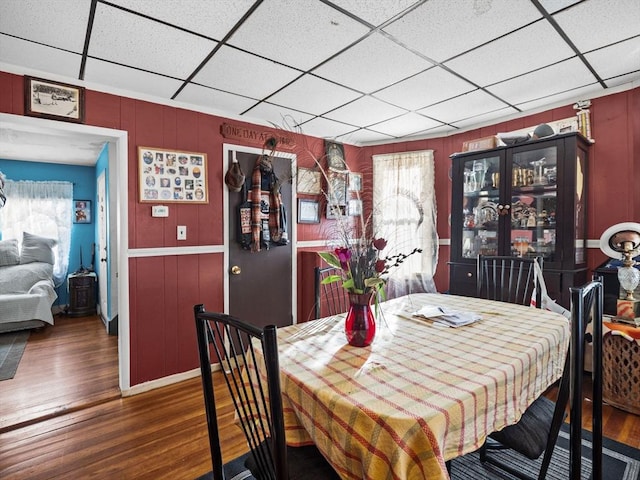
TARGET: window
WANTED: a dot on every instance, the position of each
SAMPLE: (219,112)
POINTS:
(405,215)
(40,208)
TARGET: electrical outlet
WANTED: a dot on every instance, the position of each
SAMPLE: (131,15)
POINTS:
(182,232)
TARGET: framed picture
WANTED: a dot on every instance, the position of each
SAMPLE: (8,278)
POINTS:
(172,176)
(337,188)
(335,156)
(308,211)
(82,211)
(336,211)
(53,100)
(355,207)
(309,181)
(355,182)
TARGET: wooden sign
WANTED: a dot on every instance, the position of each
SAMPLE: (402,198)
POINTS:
(254,136)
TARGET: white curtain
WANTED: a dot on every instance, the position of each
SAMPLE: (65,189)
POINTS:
(405,215)
(44,209)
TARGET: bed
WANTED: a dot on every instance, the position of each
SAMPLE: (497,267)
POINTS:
(27,290)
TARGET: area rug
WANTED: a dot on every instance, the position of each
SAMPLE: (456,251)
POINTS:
(12,345)
(620,461)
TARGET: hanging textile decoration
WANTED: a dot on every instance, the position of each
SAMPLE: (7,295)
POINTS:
(234,177)
(268,215)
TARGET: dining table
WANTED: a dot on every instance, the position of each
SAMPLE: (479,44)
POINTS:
(422,393)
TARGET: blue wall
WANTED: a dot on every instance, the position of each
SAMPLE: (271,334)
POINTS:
(84,188)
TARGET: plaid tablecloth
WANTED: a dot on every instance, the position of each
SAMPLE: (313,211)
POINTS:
(421,394)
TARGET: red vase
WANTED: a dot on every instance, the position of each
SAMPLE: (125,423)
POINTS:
(360,324)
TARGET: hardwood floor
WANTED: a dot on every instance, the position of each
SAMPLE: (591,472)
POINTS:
(159,434)
(65,367)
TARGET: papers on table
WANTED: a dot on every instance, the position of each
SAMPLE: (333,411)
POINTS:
(446,316)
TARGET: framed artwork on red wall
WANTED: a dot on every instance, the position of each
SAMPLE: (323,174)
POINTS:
(53,100)
(172,176)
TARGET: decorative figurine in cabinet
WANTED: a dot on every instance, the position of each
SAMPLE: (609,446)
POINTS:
(82,294)
(525,200)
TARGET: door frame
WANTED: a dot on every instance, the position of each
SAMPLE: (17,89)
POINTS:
(118,142)
(227,156)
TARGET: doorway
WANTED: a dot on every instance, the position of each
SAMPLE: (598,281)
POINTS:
(264,277)
(49,130)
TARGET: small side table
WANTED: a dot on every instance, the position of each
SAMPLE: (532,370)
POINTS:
(82,294)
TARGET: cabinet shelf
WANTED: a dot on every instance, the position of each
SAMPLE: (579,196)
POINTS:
(487,221)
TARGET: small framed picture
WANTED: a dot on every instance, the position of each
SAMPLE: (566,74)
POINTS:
(308,211)
(355,207)
(309,181)
(53,100)
(336,211)
(355,182)
(335,156)
(82,211)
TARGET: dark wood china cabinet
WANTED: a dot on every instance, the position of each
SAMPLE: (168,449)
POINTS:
(524,200)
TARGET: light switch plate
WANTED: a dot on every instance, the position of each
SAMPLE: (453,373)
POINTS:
(182,232)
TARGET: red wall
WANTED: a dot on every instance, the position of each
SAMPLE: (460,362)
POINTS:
(163,290)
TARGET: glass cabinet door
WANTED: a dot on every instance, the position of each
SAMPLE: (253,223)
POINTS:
(534,203)
(481,193)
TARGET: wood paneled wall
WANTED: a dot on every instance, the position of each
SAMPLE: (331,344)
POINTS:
(163,289)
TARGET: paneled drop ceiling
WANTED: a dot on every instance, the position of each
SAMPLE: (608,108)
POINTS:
(358,71)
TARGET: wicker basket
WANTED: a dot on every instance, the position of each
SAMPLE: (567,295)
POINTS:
(621,372)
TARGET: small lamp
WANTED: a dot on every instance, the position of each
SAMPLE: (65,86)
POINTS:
(623,241)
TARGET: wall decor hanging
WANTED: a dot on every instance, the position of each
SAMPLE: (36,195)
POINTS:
(82,211)
(335,156)
(53,100)
(308,211)
(309,181)
(172,176)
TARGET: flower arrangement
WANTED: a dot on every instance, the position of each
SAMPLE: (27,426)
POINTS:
(359,260)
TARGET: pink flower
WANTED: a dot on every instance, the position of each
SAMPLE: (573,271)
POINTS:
(344,255)
(380,243)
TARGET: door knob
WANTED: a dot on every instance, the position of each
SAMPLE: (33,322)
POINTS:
(235,270)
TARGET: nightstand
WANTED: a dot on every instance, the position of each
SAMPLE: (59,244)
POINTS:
(82,294)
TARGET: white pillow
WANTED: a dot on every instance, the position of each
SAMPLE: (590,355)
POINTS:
(9,254)
(37,249)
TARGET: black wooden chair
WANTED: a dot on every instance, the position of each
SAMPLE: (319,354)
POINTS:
(508,279)
(537,430)
(257,400)
(330,298)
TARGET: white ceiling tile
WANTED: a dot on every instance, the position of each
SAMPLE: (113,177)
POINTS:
(324,128)
(211,18)
(59,23)
(130,79)
(276,115)
(313,95)
(553,6)
(427,88)
(365,111)
(557,78)
(633,79)
(39,57)
(523,51)
(298,34)
(463,23)
(596,23)
(372,64)
(617,59)
(405,125)
(465,106)
(235,71)
(485,118)
(571,96)
(363,135)
(375,13)
(135,41)
(214,99)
